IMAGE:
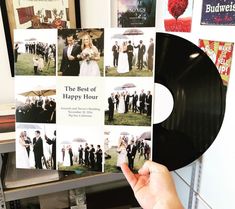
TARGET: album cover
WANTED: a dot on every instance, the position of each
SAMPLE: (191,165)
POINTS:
(221,54)
(136,13)
(178,15)
(62,118)
(218,12)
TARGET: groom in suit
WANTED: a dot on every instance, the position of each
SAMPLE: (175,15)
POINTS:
(71,56)
(130,54)
(131,152)
(38,149)
(111,101)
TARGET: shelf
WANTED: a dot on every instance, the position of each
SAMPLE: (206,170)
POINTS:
(7,146)
(91,183)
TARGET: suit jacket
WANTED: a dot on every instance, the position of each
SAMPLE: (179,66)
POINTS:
(141,50)
(71,67)
(142,98)
(131,152)
(38,146)
(53,143)
(115,50)
(130,50)
(149,99)
(135,97)
(111,103)
(127,98)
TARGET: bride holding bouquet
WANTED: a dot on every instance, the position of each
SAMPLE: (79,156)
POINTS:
(90,56)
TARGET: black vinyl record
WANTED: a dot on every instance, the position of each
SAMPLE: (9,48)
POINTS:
(199,102)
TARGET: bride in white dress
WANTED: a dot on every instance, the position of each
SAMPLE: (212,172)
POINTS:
(90,56)
(22,160)
(121,106)
(123,65)
(122,153)
(66,157)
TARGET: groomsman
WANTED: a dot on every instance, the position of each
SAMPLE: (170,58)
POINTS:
(80,151)
(92,157)
(142,99)
(115,50)
(131,152)
(71,155)
(149,103)
(99,158)
(130,54)
(141,51)
(87,148)
(111,101)
(134,102)
(127,99)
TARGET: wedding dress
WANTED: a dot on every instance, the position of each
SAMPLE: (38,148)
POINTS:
(121,158)
(88,66)
(22,160)
(123,65)
(121,106)
(66,159)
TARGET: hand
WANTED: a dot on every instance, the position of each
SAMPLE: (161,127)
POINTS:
(71,57)
(153,186)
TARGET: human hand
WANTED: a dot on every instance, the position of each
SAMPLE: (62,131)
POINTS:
(153,186)
(70,57)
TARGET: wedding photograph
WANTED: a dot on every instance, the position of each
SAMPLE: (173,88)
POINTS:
(35,146)
(129,52)
(128,101)
(131,145)
(80,149)
(81,52)
(35,52)
(35,99)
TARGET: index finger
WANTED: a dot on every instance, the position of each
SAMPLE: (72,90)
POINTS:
(131,178)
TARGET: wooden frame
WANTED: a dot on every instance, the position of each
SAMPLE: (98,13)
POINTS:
(9,16)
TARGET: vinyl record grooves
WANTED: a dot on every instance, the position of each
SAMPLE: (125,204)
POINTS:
(199,102)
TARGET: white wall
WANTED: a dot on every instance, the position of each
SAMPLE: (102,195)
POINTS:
(6,81)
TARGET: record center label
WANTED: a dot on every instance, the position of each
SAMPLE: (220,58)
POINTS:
(163,104)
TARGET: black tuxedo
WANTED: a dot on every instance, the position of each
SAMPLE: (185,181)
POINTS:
(87,163)
(127,99)
(53,154)
(150,56)
(131,152)
(70,67)
(111,108)
(38,152)
(92,157)
(99,159)
(115,50)
(117,101)
(142,99)
(134,102)
(130,50)
(149,104)
(80,151)
(141,52)
(71,156)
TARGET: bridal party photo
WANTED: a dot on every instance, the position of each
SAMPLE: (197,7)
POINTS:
(131,145)
(80,52)
(128,101)
(35,52)
(35,99)
(79,149)
(129,52)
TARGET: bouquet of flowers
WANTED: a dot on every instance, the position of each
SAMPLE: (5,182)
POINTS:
(88,54)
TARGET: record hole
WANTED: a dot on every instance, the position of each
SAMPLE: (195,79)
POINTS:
(163,103)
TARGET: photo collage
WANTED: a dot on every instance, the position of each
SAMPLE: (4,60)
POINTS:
(84,98)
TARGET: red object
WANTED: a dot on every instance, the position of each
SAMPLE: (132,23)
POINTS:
(177,7)
(7,123)
(180,25)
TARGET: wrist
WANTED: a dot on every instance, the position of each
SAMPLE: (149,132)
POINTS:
(172,203)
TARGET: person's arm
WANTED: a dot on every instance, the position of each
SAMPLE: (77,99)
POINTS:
(153,186)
